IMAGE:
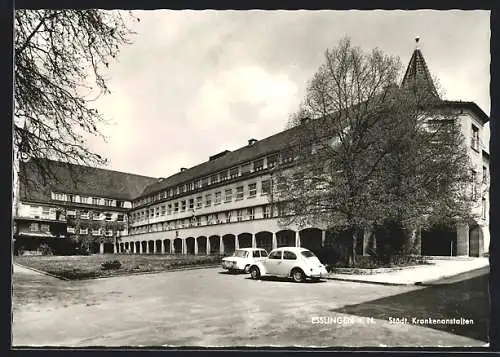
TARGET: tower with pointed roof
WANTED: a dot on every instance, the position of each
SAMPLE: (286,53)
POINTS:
(417,76)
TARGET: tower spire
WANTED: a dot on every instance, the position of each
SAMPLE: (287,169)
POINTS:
(417,74)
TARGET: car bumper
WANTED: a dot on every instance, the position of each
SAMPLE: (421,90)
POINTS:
(230,265)
(320,274)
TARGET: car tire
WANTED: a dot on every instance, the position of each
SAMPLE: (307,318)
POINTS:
(255,273)
(298,275)
(247,269)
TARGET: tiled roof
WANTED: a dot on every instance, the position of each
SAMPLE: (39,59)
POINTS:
(268,145)
(38,177)
(417,73)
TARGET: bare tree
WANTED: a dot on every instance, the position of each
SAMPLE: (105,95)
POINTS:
(364,151)
(59,58)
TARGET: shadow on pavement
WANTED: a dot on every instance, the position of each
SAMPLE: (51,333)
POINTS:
(287,280)
(448,299)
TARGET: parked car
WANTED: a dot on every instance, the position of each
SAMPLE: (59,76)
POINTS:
(243,258)
(295,262)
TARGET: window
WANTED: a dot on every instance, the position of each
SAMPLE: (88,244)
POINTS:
(485,174)
(267,211)
(183,188)
(157,211)
(287,156)
(218,198)
(208,200)
(120,204)
(176,207)
(204,181)
(109,233)
(151,212)
(70,229)
(475,137)
(191,203)
(214,179)
(45,228)
(71,213)
(245,168)
(34,227)
(191,186)
(234,172)
(228,195)
(183,205)
(163,210)
(239,193)
(199,202)
(169,208)
(58,196)
(272,160)
(266,187)
(228,217)
(252,190)
(258,165)
(109,216)
(108,202)
(474,188)
(275,255)
(256,254)
(71,198)
(45,211)
(83,230)
(239,215)
(120,218)
(162,196)
(289,255)
(251,213)
(223,175)
(84,215)
(84,199)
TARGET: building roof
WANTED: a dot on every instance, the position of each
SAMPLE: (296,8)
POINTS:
(38,177)
(417,74)
(270,144)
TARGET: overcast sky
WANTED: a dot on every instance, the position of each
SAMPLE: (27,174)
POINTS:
(195,83)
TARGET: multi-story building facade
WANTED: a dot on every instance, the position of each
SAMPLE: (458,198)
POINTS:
(72,204)
(226,202)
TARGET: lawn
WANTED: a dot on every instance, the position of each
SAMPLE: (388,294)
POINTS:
(84,267)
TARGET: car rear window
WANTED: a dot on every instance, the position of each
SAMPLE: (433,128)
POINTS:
(256,254)
(241,253)
(263,253)
(307,254)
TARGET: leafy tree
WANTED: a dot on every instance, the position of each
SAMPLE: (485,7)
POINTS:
(365,151)
(59,62)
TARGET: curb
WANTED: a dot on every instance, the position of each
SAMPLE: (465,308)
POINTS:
(371,282)
(119,275)
(42,272)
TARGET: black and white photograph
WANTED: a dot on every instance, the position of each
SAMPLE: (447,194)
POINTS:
(250,179)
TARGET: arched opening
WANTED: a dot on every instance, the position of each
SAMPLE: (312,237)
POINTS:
(127,246)
(310,238)
(264,240)
(190,245)
(438,240)
(137,247)
(151,246)
(158,246)
(285,238)
(144,245)
(177,246)
(245,240)
(121,247)
(166,244)
(202,245)
(214,245)
(229,243)
(108,248)
(476,241)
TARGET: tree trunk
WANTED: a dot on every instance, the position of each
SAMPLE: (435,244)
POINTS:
(352,258)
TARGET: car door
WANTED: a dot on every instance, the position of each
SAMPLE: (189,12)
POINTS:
(289,260)
(273,262)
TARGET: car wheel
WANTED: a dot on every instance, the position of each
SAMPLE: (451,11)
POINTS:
(298,275)
(247,269)
(255,273)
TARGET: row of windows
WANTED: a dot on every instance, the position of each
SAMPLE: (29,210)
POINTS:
(260,164)
(94,232)
(223,196)
(97,201)
(107,216)
(265,211)
(37,227)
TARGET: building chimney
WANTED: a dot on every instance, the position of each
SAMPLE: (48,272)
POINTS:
(183,169)
(251,142)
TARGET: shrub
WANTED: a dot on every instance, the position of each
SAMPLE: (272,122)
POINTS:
(111,265)
(45,249)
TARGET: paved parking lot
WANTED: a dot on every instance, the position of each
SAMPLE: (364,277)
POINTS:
(208,308)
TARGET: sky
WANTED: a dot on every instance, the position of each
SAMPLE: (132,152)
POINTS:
(195,83)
